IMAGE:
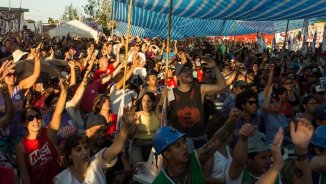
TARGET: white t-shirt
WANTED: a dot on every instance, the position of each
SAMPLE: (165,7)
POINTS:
(221,163)
(95,173)
(116,97)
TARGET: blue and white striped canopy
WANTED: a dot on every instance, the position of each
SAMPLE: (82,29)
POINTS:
(148,23)
(237,9)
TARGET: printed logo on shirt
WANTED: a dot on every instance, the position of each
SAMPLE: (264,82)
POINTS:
(17,97)
(40,156)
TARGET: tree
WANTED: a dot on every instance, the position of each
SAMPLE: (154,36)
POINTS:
(70,13)
(99,11)
(30,21)
(51,21)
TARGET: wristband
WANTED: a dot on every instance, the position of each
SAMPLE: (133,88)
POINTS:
(301,157)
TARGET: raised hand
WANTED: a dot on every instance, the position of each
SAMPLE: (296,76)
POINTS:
(301,134)
(64,84)
(71,64)
(130,121)
(210,63)
(234,115)
(247,130)
(6,67)
(276,150)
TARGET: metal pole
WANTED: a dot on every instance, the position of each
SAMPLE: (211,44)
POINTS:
(285,39)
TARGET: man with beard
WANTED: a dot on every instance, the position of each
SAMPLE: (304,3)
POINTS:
(186,112)
(96,131)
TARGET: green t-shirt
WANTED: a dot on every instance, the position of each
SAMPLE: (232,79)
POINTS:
(248,178)
(197,176)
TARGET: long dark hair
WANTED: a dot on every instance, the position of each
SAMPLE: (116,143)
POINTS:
(151,96)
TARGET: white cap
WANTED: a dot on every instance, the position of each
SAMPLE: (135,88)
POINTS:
(17,54)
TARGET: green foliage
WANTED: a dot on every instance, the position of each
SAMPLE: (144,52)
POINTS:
(70,13)
(99,11)
(51,21)
(30,21)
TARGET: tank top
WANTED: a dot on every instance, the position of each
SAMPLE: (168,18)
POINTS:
(186,112)
(196,174)
(42,159)
(149,125)
(16,127)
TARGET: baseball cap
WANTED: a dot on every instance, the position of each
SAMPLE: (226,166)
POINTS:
(181,66)
(95,120)
(320,112)
(239,83)
(258,143)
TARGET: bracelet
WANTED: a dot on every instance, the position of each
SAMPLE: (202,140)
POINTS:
(301,157)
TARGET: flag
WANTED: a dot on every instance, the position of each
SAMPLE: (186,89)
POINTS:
(274,45)
(305,36)
(324,39)
(313,43)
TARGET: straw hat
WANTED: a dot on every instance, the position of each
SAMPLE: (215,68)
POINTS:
(17,54)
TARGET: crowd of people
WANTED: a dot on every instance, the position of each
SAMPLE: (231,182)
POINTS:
(214,111)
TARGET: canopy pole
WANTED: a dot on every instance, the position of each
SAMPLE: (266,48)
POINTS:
(285,39)
(164,112)
(127,47)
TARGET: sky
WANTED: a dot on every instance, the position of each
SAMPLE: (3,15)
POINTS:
(43,9)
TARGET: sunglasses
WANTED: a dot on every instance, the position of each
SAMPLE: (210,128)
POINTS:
(11,74)
(31,117)
(252,102)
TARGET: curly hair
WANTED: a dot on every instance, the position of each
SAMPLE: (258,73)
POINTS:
(242,97)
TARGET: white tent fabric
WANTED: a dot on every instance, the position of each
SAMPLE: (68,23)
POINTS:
(74,28)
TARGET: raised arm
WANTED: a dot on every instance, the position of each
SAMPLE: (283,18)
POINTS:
(130,122)
(54,124)
(119,85)
(301,135)
(219,138)
(9,107)
(271,175)
(267,97)
(72,73)
(210,89)
(240,151)
(29,81)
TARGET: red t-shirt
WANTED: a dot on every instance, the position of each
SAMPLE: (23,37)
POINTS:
(99,74)
(42,159)
(112,126)
(90,94)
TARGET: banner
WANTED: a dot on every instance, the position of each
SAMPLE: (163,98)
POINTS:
(9,22)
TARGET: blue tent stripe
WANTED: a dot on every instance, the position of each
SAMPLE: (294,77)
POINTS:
(148,23)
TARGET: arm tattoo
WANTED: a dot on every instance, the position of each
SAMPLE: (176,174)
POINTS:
(218,139)
(224,133)
(298,172)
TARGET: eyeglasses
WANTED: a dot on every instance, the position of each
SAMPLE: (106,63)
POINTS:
(288,83)
(31,117)
(11,74)
(252,102)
